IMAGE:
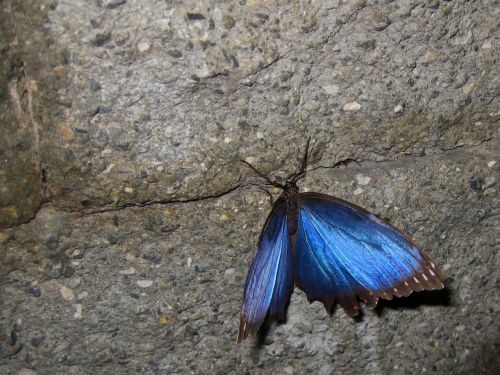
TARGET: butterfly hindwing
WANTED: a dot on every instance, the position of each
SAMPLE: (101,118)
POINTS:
(344,253)
(270,279)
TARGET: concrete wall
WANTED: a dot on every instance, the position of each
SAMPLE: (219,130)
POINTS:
(129,222)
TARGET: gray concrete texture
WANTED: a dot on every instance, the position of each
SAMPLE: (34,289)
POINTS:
(129,222)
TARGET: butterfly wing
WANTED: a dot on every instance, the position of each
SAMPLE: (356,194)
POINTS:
(270,279)
(345,252)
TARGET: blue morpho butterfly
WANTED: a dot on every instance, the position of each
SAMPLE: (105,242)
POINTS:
(334,251)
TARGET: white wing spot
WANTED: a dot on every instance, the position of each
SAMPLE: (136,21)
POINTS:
(406,284)
(432,273)
(395,289)
(416,280)
(425,277)
(432,265)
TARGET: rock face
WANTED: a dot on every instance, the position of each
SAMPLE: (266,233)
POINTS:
(129,222)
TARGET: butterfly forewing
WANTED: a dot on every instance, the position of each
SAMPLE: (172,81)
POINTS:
(270,279)
(344,252)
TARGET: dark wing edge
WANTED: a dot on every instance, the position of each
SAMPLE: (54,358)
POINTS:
(426,275)
(269,282)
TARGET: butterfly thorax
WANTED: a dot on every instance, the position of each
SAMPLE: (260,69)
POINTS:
(290,195)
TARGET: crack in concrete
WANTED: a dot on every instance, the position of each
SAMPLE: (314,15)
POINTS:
(152,203)
(342,24)
(444,151)
(52,204)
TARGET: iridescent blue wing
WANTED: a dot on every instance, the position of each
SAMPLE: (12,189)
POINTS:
(270,279)
(345,253)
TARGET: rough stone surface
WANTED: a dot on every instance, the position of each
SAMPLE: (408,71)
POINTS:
(129,222)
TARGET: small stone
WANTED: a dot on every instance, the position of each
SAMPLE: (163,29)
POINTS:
(10,212)
(66,293)
(36,341)
(83,295)
(4,237)
(143,46)
(175,53)
(434,94)
(26,371)
(36,292)
(195,16)
(94,84)
(331,89)
(352,107)
(295,98)
(51,240)
(69,155)
(112,4)
(112,239)
(250,160)
(469,88)
(228,22)
(165,319)
(358,191)
(60,71)
(67,271)
(102,109)
(486,44)
(78,311)
(229,271)
(430,56)
(363,180)
(101,38)
(144,283)
(169,228)
(156,259)
(147,348)
(128,271)
(109,168)
(227,140)
(398,108)
(491,163)
(380,23)
(129,190)
(368,45)
(200,268)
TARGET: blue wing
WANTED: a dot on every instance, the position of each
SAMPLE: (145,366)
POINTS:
(270,279)
(345,253)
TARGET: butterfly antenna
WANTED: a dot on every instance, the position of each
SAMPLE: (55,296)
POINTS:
(265,177)
(302,171)
(271,199)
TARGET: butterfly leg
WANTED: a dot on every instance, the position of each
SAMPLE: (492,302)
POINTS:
(271,199)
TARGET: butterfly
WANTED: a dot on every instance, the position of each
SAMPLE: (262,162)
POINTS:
(333,250)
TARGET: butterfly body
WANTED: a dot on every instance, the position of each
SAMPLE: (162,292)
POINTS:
(333,250)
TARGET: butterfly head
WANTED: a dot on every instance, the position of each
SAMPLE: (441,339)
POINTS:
(290,185)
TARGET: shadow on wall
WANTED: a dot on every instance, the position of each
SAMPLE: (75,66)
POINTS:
(430,298)
(440,297)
